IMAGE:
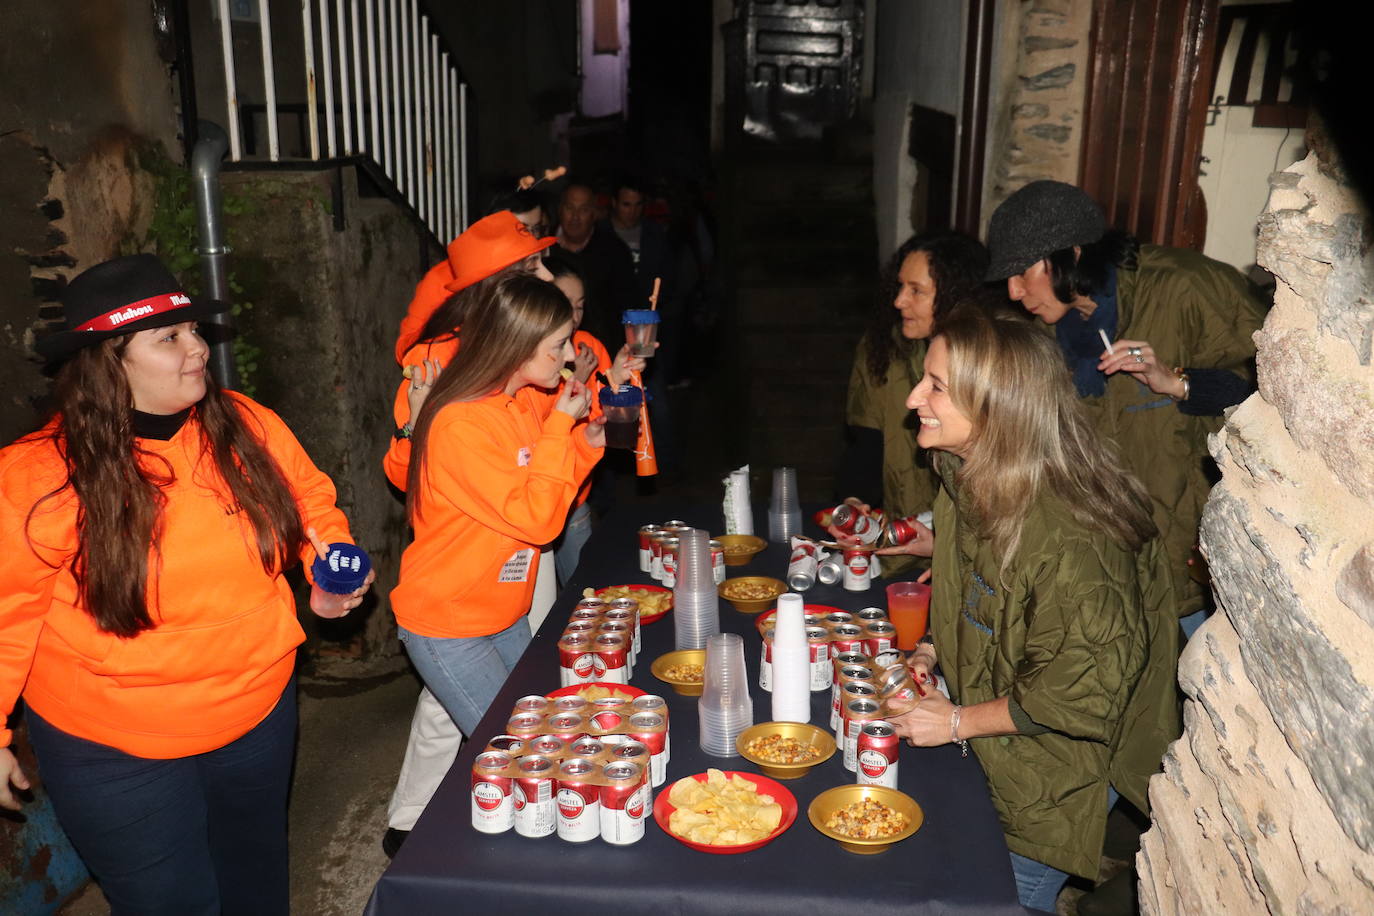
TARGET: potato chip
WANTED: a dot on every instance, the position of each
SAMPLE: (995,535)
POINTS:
(721,810)
(651,603)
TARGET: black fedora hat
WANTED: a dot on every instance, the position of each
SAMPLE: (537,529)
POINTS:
(121,296)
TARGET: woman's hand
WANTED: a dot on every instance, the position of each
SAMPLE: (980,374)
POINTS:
(624,364)
(11,774)
(926,725)
(849,540)
(1138,358)
(327,604)
(595,432)
(585,363)
(575,399)
(422,379)
(922,545)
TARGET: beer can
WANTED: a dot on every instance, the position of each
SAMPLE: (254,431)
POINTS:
(846,637)
(624,802)
(651,730)
(513,745)
(588,611)
(590,604)
(818,641)
(656,554)
(625,630)
(633,751)
(835,618)
(525,725)
(546,746)
(857,713)
(566,726)
(870,614)
(579,800)
(608,721)
(879,636)
(717,560)
(856,561)
(888,657)
(846,674)
(627,609)
(570,703)
(646,547)
(583,624)
(902,530)
(611,659)
(676,524)
(587,746)
(852,690)
(493,808)
(766,662)
(849,520)
(830,570)
(576,661)
(532,794)
(656,704)
(671,548)
(847,658)
(876,755)
(801,572)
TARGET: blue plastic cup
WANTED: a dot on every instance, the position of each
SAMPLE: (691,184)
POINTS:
(641,331)
(343,569)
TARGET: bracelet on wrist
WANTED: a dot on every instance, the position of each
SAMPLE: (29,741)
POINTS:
(1182,375)
(403,432)
(954,732)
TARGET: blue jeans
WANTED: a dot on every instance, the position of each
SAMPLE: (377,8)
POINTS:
(1037,884)
(192,835)
(466,674)
(569,548)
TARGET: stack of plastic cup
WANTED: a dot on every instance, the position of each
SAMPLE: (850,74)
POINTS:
(784,511)
(725,708)
(696,605)
(791,662)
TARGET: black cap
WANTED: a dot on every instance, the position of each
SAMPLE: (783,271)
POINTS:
(1038,220)
(121,296)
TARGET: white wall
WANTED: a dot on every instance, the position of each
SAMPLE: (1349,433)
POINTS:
(918,60)
(606,77)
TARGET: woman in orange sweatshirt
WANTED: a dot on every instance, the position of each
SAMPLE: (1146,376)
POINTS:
(145,619)
(490,480)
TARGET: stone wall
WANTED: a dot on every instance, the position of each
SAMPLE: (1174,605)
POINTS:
(1266,805)
(1037,96)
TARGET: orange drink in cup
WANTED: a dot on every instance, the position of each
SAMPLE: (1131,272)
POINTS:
(908,607)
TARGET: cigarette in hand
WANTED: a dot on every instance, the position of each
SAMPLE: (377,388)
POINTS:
(1106,342)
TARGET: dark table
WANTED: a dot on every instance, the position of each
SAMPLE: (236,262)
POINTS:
(956,863)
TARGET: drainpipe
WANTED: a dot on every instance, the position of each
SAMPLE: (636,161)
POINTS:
(210,148)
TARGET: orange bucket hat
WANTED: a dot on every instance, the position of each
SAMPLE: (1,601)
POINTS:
(492,243)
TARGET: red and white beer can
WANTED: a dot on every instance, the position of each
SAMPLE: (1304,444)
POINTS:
(818,642)
(876,755)
(857,713)
(634,752)
(671,546)
(717,560)
(525,725)
(546,746)
(870,614)
(532,703)
(493,808)
(852,690)
(849,520)
(847,637)
(624,802)
(902,530)
(835,618)
(608,722)
(856,575)
(651,730)
(513,745)
(627,609)
(766,662)
(576,661)
(831,569)
(656,704)
(566,726)
(579,800)
(646,546)
(586,746)
(535,812)
(845,674)
(570,703)
(879,636)
(611,660)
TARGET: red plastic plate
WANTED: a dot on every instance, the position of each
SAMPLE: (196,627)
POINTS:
(573,688)
(645,618)
(663,809)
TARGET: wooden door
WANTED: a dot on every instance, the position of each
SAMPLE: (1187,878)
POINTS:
(1149,78)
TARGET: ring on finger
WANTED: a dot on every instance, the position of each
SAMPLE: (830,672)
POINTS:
(1139,358)
(1134,351)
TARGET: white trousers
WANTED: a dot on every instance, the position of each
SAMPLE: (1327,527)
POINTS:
(435,739)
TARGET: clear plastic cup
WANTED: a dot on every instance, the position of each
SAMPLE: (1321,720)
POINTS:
(641,331)
(621,408)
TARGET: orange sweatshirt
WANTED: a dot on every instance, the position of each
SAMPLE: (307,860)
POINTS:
(224,643)
(498,483)
(603,365)
(430,293)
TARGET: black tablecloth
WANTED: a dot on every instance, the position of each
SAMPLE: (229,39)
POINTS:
(956,862)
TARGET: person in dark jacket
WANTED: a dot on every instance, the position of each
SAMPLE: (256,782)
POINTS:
(1052,611)
(1181,327)
(602,259)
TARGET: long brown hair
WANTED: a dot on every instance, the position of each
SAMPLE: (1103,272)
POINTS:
(500,332)
(1029,433)
(449,317)
(120,494)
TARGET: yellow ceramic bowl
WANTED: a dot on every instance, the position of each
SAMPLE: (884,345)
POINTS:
(775,587)
(832,800)
(740,548)
(819,738)
(681,657)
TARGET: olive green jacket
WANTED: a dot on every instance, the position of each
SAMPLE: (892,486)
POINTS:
(1196,313)
(1081,634)
(909,484)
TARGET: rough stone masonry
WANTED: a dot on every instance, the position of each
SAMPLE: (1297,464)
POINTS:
(1266,805)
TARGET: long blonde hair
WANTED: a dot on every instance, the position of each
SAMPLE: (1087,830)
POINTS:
(501,330)
(1029,433)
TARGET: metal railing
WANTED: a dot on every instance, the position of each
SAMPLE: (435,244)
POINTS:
(392,93)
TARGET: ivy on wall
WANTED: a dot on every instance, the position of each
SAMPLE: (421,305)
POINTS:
(171,235)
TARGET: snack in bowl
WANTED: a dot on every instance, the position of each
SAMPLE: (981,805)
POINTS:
(653,602)
(596,692)
(684,669)
(867,819)
(740,548)
(751,594)
(722,811)
(785,750)
(779,749)
(686,673)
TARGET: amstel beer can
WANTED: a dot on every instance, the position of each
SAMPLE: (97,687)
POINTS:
(609,721)
(870,614)
(903,530)
(888,657)
(671,547)
(802,566)
(646,547)
(876,755)
(507,744)
(857,713)
(831,569)
(651,730)
(845,674)
(493,808)
(624,802)
(656,554)
(611,659)
(656,704)
(818,642)
(570,703)
(532,703)
(566,726)
(856,562)
(625,630)
(535,812)
(835,618)
(766,661)
(579,800)
(852,690)
(634,752)
(847,637)
(849,520)
(627,609)
(586,746)
(576,660)
(879,636)
(525,725)
(717,560)
(546,746)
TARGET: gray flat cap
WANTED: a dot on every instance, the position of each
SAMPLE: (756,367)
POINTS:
(1041,218)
